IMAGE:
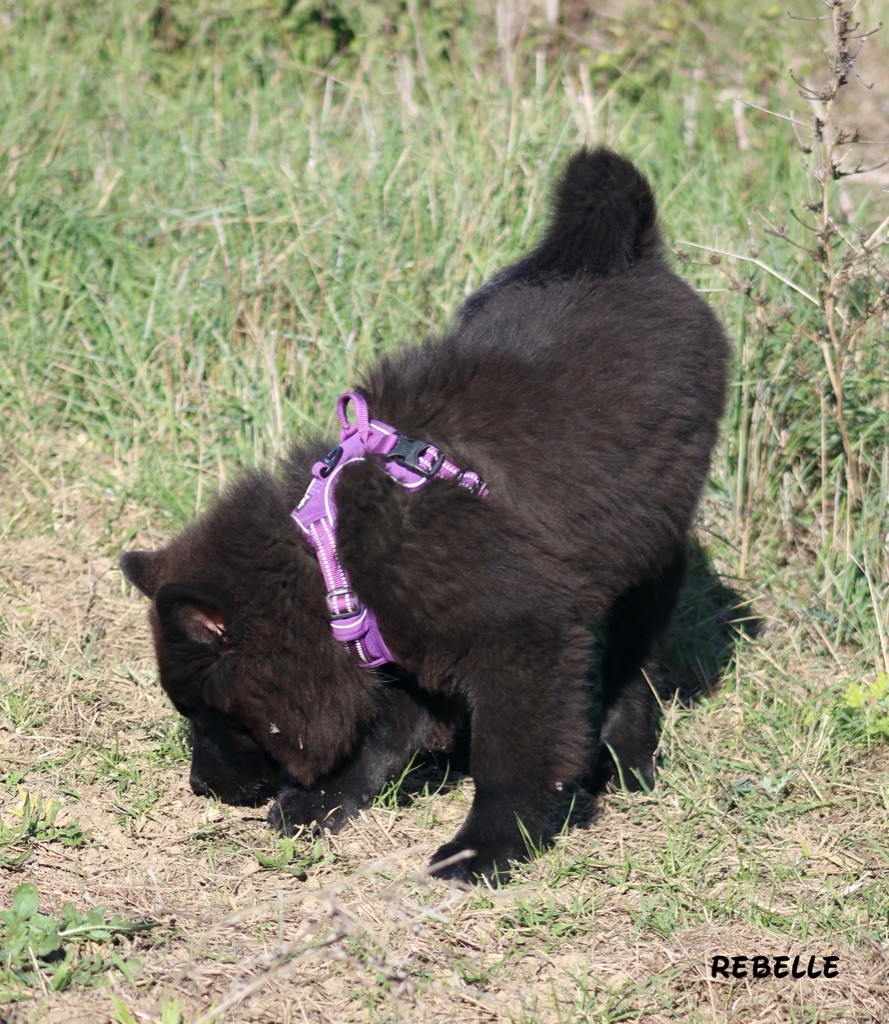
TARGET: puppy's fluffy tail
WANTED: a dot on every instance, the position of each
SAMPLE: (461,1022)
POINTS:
(604,219)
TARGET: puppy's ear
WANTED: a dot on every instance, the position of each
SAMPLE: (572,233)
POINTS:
(141,569)
(192,612)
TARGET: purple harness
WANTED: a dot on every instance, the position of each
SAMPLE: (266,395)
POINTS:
(412,464)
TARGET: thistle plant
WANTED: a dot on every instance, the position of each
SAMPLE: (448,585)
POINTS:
(811,475)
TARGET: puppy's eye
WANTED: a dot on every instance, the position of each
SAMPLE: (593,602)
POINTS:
(237,728)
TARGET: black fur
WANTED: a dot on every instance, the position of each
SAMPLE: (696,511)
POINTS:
(585,384)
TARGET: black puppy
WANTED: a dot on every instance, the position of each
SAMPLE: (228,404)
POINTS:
(584,384)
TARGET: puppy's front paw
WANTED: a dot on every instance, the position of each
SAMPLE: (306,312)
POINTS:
(484,860)
(312,809)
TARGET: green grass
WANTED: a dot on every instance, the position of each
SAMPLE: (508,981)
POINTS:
(40,950)
(211,221)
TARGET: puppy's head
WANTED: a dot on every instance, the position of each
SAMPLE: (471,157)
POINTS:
(244,648)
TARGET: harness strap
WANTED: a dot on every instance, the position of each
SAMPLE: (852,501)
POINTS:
(410,463)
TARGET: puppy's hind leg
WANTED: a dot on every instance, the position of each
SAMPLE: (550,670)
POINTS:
(635,630)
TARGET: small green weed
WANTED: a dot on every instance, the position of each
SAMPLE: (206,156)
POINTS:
(42,951)
(33,821)
(293,857)
(863,711)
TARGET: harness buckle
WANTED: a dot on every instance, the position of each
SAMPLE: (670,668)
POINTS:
(345,592)
(328,463)
(408,451)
